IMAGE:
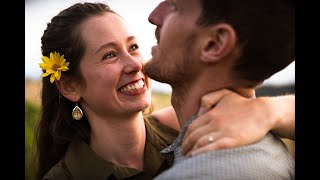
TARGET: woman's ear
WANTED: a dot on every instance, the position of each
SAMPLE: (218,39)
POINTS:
(219,42)
(69,89)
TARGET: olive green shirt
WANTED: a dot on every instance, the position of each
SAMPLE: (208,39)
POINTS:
(81,163)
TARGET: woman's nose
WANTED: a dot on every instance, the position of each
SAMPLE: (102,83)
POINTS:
(133,65)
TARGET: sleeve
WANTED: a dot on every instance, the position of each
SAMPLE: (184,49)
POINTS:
(57,172)
(160,134)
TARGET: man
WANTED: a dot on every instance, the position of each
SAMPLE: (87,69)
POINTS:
(234,45)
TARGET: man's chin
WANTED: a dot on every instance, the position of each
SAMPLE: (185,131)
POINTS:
(152,70)
(149,68)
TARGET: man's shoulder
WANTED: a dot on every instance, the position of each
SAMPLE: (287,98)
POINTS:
(267,159)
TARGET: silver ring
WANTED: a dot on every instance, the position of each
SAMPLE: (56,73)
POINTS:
(210,138)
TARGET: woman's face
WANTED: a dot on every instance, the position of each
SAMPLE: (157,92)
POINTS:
(111,67)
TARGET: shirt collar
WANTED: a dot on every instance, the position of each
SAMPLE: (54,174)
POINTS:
(168,152)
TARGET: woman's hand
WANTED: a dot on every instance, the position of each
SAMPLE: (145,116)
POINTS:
(233,121)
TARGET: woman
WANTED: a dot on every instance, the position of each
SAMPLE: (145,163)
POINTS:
(93,97)
(101,77)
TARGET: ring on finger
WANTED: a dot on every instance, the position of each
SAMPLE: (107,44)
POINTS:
(210,138)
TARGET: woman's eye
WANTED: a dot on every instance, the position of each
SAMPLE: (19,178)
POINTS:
(109,55)
(133,47)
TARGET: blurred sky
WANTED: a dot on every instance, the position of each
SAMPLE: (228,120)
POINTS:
(39,12)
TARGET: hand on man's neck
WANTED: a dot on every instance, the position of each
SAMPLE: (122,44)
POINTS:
(187,103)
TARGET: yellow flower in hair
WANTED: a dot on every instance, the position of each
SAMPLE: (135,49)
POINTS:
(54,65)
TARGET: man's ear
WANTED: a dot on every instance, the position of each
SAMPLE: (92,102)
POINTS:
(69,89)
(219,42)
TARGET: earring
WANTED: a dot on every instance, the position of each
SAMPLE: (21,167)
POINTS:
(77,112)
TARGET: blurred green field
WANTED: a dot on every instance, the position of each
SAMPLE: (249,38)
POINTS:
(31,115)
(32,110)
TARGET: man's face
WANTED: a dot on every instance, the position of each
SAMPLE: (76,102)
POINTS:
(158,15)
(173,57)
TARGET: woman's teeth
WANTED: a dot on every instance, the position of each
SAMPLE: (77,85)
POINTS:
(133,87)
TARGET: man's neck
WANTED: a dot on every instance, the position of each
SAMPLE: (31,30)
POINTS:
(184,105)
(186,99)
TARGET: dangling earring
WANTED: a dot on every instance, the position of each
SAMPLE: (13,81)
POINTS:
(77,112)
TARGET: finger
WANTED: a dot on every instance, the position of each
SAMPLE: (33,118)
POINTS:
(211,99)
(194,137)
(202,142)
(199,122)
(207,148)
(217,144)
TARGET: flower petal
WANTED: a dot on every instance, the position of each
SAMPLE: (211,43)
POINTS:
(52,78)
(45,74)
(63,68)
(46,60)
(51,56)
(50,71)
(45,66)
(62,60)
(66,64)
(56,57)
(57,74)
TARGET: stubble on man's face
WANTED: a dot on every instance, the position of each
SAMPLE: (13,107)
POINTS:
(172,70)
(154,69)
